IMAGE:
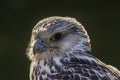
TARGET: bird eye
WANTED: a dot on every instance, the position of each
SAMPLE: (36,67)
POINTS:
(56,37)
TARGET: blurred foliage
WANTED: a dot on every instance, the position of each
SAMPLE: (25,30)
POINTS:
(17,18)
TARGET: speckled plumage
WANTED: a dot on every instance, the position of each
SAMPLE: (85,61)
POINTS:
(68,58)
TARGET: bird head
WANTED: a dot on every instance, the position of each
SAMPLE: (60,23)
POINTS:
(55,36)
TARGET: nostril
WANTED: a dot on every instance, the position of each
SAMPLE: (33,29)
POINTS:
(42,41)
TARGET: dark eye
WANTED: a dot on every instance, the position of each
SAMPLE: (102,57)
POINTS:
(56,37)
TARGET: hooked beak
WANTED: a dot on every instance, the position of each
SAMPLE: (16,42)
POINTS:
(40,46)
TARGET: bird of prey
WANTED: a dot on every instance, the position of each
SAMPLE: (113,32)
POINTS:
(60,49)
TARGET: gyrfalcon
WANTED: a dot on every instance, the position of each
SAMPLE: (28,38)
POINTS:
(60,49)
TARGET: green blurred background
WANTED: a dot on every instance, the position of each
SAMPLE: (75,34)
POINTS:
(17,18)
